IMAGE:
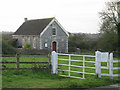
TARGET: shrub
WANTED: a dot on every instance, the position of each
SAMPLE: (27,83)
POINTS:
(8,44)
(13,42)
(27,46)
(7,48)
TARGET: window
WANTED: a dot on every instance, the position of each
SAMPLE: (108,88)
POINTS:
(53,31)
(34,42)
(28,37)
(23,40)
(46,45)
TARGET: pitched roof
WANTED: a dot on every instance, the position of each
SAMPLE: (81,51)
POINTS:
(33,27)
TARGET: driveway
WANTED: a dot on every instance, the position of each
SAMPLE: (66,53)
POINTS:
(110,87)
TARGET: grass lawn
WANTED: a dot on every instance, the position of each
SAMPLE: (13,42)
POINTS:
(43,79)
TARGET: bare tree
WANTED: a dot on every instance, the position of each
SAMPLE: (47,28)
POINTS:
(109,17)
(110,23)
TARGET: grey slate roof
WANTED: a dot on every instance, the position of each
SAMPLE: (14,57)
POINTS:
(33,27)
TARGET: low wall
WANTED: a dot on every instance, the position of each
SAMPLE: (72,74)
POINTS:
(32,51)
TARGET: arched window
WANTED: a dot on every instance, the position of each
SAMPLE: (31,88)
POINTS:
(46,45)
(53,31)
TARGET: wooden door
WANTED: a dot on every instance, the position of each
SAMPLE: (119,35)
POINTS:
(54,46)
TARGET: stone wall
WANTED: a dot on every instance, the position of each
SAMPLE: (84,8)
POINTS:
(33,40)
(32,51)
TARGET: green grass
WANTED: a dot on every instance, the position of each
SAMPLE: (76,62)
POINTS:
(43,79)
(26,78)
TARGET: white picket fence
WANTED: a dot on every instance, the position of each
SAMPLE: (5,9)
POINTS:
(99,57)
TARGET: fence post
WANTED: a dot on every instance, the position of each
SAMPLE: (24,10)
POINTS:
(83,66)
(17,63)
(54,59)
(69,65)
(111,65)
(99,74)
(49,59)
(98,63)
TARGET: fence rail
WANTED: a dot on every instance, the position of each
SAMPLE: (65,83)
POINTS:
(55,62)
(76,55)
(99,58)
(18,62)
(109,66)
(20,68)
(83,66)
(25,56)
(26,62)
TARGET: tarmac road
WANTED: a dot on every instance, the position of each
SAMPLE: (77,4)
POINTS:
(110,87)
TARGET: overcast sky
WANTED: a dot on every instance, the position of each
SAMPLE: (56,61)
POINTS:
(74,15)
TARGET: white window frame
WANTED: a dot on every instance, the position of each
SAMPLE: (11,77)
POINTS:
(28,37)
(54,27)
(54,31)
(46,45)
(34,42)
(23,41)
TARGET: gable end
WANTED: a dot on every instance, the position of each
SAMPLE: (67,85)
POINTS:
(54,20)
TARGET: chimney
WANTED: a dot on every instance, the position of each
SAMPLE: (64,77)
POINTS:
(25,19)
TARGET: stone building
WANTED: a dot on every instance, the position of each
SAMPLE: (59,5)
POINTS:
(44,33)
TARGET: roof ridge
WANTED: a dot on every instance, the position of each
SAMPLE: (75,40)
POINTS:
(41,19)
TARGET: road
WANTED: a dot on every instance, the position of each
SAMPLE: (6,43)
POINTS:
(110,87)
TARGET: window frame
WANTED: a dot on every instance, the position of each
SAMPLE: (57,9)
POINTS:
(34,42)
(54,30)
(45,45)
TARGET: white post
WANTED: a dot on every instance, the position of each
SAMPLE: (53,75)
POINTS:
(54,62)
(98,63)
(111,65)
(69,65)
(83,66)
(99,72)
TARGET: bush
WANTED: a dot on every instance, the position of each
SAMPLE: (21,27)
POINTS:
(27,46)
(7,48)
(8,44)
(71,49)
(13,42)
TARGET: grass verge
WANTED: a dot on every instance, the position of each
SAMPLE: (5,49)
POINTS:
(43,79)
